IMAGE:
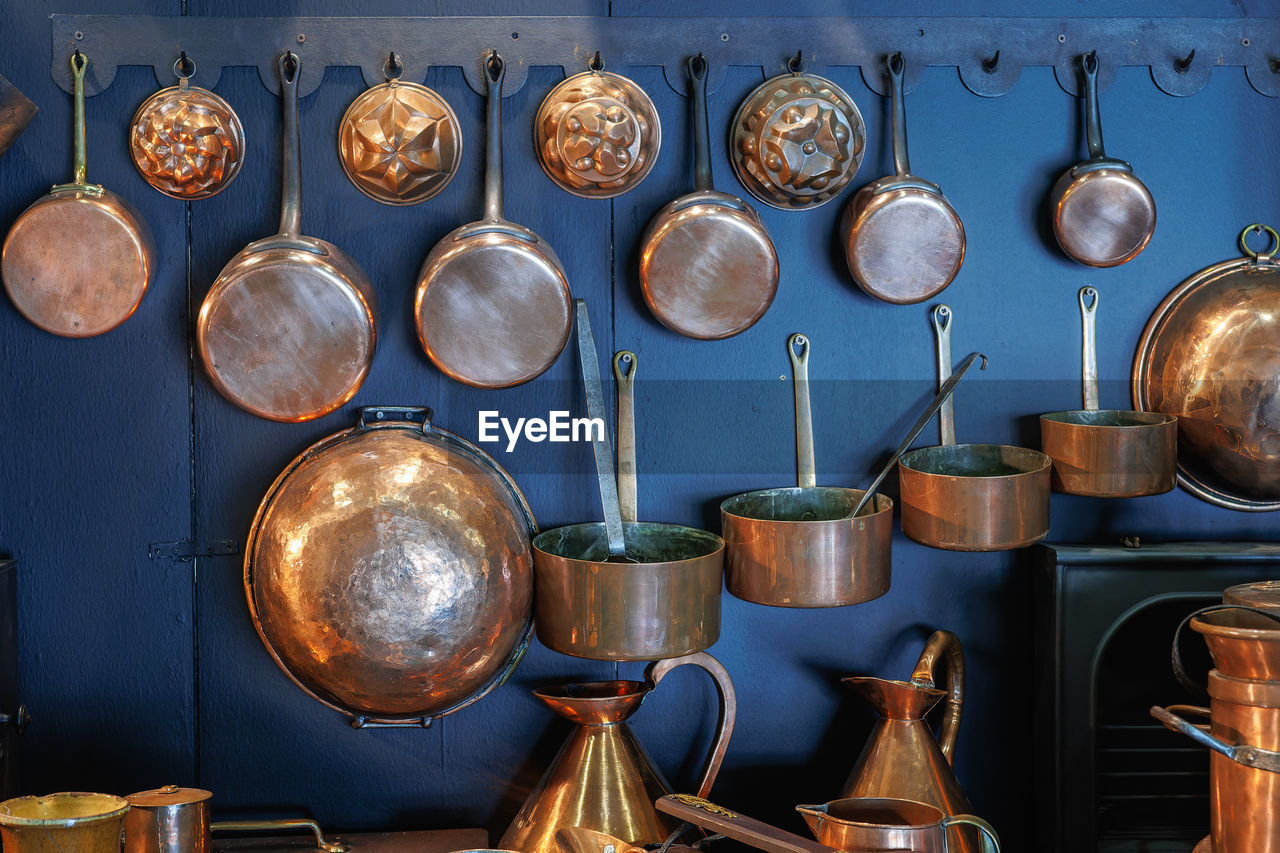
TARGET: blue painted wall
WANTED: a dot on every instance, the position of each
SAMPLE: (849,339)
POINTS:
(143,672)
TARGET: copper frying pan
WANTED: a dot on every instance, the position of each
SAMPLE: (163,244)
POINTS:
(287,329)
(707,266)
(493,307)
(78,261)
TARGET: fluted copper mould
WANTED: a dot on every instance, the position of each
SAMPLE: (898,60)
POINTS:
(187,142)
(597,134)
(1209,355)
(78,261)
(850,825)
(392,529)
(399,142)
(624,589)
(68,822)
(708,268)
(287,330)
(492,306)
(902,758)
(971,497)
(602,779)
(1108,453)
(1103,215)
(797,140)
(171,819)
(903,241)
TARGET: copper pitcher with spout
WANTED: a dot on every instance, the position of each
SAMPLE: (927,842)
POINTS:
(602,778)
(903,759)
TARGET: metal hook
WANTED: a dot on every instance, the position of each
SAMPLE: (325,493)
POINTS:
(991,62)
(595,63)
(1274,65)
(184,67)
(796,63)
(1181,65)
(77,57)
(389,68)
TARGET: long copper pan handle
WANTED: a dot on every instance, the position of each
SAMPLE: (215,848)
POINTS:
(942,332)
(942,397)
(655,672)
(739,827)
(1249,756)
(284,823)
(944,647)
(624,374)
(1089,346)
(806,469)
(79,179)
(600,444)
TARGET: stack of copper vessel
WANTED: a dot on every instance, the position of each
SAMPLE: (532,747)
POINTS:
(1243,637)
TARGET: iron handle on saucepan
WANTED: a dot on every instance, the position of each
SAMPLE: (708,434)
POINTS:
(806,468)
(656,671)
(1098,158)
(1249,756)
(942,332)
(944,647)
(600,445)
(625,364)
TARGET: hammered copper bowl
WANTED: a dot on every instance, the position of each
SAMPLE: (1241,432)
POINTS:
(597,134)
(389,571)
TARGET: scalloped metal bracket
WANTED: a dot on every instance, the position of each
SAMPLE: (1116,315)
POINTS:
(989,53)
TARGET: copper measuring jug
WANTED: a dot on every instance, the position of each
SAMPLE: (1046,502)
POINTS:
(602,779)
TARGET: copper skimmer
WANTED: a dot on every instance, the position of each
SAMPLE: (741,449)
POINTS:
(78,261)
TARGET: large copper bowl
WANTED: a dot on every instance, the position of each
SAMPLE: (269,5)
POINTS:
(1211,355)
(389,571)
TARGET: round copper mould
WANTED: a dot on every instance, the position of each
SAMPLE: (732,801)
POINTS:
(1210,354)
(389,572)
(400,142)
(797,141)
(186,141)
(597,134)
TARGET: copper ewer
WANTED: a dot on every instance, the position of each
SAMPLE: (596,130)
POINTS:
(597,134)
(797,140)
(602,779)
(972,497)
(624,589)
(1108,453)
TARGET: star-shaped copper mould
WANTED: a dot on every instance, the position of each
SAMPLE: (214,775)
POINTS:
(797,141)
(400,143)
(186,142)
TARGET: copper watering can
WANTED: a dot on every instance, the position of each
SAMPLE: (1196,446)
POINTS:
(857,825)
(602,779)
(902,758)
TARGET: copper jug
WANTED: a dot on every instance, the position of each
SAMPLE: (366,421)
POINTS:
(888,824)
(602,778)
(902,758)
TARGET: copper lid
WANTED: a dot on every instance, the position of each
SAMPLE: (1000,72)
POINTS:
(597,134)
(400,142)
(797,141)
(169,795)
(186,142)
(1265,595)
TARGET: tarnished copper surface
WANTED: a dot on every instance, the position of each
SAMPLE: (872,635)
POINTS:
(78,261)
(664,605)
(597,134)
(388,571)
(1242,644)
(1210,354)
(69,822)
(400,143)
(797,141)
(602,779)
(168,820)
(186,142)
(1244,802)
(492,306)
(287,330)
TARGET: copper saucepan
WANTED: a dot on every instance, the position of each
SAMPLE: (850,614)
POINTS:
(1102,214)
(624,589)
(902,239)
(493,307)
(707,266)
(1108,453)
(972,497)
(78,260)
(286,332)
(813,546)
(176,820)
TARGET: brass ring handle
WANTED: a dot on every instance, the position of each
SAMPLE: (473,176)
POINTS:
(990,841)
(655,672)
(944,646)
(1258,228)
